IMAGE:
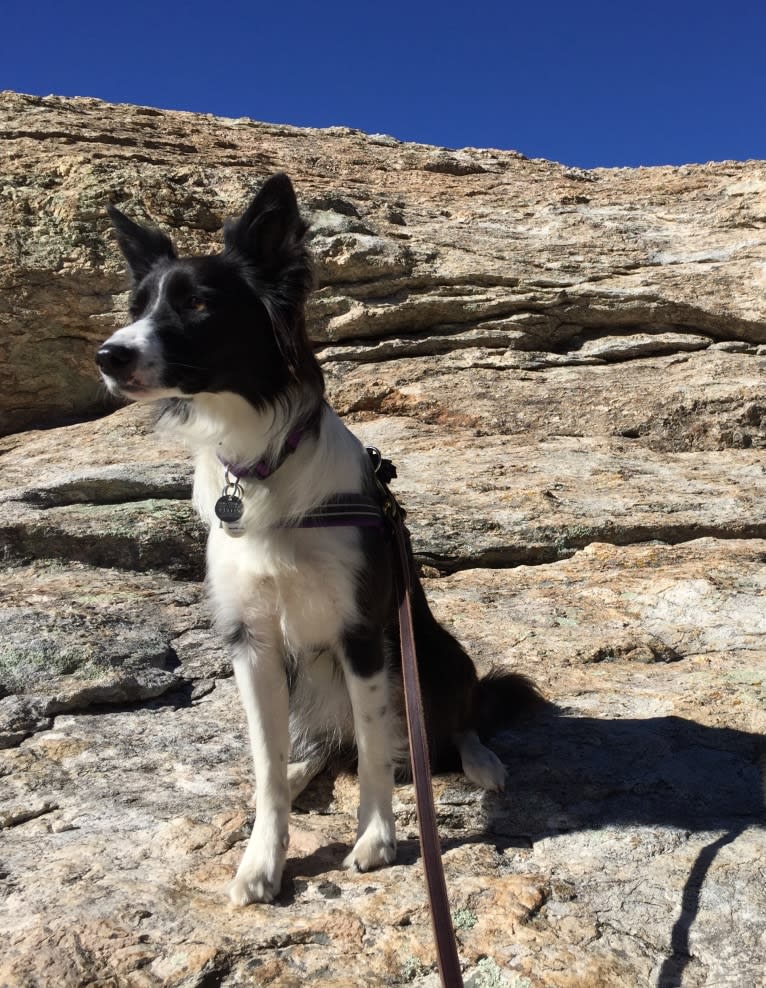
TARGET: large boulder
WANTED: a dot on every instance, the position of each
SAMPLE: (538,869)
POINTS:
(567,368)
(419,250)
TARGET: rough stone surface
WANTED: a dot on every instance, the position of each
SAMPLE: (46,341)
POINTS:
(418,249)
(567,368)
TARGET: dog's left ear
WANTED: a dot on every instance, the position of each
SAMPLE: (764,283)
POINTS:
(269,239)
(269,234)
(141,246)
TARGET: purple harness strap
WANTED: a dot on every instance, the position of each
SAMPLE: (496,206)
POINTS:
(356,510)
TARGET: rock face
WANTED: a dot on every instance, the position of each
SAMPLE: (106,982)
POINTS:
(419,250)
(567,368)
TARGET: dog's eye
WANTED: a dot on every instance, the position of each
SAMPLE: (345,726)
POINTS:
(197,304)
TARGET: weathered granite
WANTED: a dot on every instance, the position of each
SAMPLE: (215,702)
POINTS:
(495,469)
(418,249)
(567,367)
(628,842)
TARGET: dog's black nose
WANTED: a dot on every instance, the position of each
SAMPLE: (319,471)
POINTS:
(116,360)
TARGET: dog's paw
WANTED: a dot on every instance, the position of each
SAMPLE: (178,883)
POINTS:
(252,887)
(258,879)
(372,850)
(481,765)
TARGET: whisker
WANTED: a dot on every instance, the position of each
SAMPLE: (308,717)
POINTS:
(177,363)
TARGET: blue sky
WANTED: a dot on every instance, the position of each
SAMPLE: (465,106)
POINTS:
(585,83)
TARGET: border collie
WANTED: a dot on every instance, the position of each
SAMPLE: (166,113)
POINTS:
(308,613)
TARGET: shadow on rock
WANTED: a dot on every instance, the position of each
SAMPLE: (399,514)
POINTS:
(573,773)
(569,774)
(579,773)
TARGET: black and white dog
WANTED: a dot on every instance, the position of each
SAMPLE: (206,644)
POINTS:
(308,613)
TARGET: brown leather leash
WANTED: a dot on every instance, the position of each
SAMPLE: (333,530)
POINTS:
(441,919)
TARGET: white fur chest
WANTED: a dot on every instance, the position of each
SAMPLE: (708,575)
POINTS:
(298,585)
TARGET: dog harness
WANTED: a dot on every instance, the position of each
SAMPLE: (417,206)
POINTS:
(340,510)
(358,510)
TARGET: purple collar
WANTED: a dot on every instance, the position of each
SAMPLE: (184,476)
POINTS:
(265,467)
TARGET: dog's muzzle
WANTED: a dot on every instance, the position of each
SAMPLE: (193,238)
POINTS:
(117,361)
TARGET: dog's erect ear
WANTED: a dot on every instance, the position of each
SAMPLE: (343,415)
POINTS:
(269,239)
(141,246)
(270,232)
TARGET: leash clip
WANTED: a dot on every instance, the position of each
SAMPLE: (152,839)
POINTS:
(383,469)
(384,472)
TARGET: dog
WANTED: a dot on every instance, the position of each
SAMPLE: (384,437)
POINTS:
(308,613)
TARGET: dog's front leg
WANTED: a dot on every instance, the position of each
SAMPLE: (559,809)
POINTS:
(260,674)
(368,688)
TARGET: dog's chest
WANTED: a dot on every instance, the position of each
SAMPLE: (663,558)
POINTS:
(297,585)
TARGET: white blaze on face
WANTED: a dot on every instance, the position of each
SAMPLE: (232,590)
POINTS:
(141,336)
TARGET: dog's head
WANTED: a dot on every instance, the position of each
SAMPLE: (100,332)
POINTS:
(229,322)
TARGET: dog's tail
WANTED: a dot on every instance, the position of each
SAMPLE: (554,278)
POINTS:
(503,698)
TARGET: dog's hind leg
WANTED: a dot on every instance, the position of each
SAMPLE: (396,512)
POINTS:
(480,765)
(260,674)
(498,698)
(299,774)
(374,727)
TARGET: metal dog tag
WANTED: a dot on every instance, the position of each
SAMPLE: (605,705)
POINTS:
(229,509)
